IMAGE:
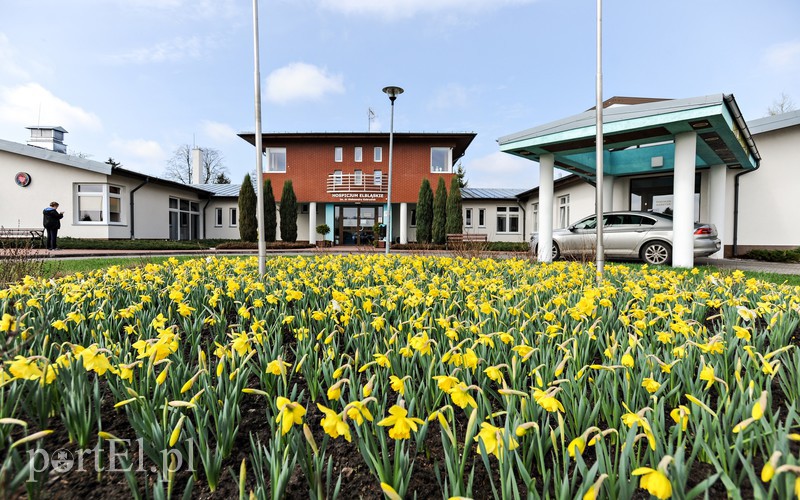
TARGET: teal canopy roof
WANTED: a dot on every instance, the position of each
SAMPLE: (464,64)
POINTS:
(640,138)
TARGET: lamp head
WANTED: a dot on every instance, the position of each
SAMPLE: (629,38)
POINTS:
(392,92)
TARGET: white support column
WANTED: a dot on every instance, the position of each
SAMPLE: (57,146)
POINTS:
(717,183)
(312,223)
(683,200)
(546,164)
(608,193)
(403,223)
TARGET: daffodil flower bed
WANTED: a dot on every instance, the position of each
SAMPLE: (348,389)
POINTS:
(490,378)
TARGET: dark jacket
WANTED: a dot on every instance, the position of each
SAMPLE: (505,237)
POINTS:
(51,218)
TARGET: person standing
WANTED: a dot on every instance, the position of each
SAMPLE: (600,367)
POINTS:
(52,223)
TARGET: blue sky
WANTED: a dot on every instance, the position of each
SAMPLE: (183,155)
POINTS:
(134,79)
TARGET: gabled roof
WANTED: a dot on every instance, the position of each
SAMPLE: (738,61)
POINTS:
(55,157)
(468,193)
(91,165)
(635,134)
(774,122)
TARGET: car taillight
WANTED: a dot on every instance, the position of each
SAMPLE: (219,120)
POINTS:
(703,230)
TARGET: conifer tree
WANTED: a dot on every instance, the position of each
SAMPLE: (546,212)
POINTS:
(424,212)
(288,213)
(439,227)
(455,216)
(270,213)
(248,224)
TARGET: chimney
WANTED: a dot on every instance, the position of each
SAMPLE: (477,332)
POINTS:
(48,137)
(197,166)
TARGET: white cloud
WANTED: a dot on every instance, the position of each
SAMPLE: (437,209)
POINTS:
(451,96)
(301,81)
(783,56)
(502,170)
(205,9)
(177,49)
(140,155)
(32,104)
(220,132)
(400,9)
(8,65)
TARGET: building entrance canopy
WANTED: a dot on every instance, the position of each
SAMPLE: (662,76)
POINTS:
(640,138)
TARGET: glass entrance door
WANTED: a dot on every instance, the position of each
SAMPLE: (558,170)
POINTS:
(354,224)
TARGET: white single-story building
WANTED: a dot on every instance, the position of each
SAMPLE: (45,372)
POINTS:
(100,200)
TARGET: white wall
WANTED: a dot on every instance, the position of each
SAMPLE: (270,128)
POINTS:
(226,231)
(490,229)
(22,206)
(581,204)
(769,198)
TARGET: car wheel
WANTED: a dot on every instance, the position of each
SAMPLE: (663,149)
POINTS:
(556,251)
(657,253)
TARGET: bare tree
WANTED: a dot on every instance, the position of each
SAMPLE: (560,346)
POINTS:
(212,168)
(781,105)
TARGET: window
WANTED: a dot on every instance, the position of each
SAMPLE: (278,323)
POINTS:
(98,203)
(535,216)
(218,217)
(337,177)
(377,177)
(441,162)
(358,177)
(481,217)
(234,220)
(184,219)
(276,159)
(414,217)
(507,219)
(467,217)
(337,155)
(563,211)
(378,154)
(654,194)
(357,154)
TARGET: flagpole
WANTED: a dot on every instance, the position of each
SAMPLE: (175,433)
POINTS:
(262,251)
(599,144)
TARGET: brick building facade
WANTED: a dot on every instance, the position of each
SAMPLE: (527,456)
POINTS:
(342,179)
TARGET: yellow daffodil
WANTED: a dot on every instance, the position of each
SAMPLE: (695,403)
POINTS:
(401,425)
(289,413)
(461,396)
(333,424)
(278,367)
(650,385)
(493,440)
(654,481)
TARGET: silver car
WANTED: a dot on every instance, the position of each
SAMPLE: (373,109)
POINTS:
(629,235)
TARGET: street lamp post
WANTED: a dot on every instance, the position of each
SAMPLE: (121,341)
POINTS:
(392,92)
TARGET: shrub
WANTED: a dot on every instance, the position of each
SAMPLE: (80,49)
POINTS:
(439,227)
(288,213)
(270,213)
(424,212)
(248,224)
(775,255)
(455,215)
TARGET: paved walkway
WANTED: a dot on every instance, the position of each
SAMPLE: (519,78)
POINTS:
(743,264)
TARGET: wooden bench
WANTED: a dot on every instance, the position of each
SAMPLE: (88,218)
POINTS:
(466,238)
(21,233)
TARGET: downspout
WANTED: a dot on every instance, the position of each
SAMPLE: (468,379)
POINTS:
(751,145)
(524,219)
(204,217)
(146,181)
